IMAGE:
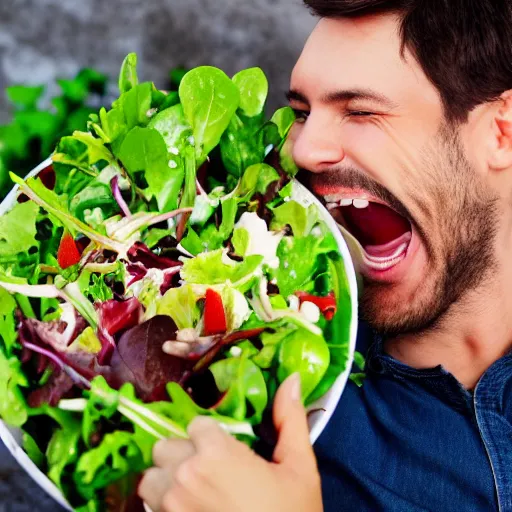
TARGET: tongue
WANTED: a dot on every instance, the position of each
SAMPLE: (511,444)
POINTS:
(378,228)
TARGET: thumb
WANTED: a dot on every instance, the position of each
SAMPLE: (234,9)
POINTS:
(293,445)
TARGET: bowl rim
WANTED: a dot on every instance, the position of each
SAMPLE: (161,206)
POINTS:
(11,437)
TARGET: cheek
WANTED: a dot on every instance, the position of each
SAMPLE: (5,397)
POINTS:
(381,150)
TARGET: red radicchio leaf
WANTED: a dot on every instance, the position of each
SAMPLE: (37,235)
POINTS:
(116,316)
(139,358)
(139,253)
(57,387)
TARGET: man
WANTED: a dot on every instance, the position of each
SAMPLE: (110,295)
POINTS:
(405,117)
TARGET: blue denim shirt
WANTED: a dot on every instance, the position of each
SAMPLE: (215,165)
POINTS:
(415,440)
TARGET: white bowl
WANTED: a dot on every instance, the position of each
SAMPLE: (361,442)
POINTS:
(324,407)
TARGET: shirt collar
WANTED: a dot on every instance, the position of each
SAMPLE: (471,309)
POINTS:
(437,380)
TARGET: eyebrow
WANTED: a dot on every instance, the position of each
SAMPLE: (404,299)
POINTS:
(344,95)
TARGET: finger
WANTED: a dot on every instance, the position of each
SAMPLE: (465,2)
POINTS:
(290,419)
(207,435)
(154,485)
(178,499)
(170,453)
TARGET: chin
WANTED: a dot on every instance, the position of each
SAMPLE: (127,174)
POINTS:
(394,309)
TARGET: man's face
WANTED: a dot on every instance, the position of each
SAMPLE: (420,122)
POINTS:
(392,171)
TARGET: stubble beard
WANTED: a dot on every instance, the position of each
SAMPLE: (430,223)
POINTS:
(460,245)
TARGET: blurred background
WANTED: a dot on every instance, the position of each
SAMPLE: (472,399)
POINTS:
(59,60)
(44,45)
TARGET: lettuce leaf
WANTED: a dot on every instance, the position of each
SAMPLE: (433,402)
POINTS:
(216,267)
(18,229)
(180,305)
(8,332)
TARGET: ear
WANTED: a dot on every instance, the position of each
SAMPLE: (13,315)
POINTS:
(500,157)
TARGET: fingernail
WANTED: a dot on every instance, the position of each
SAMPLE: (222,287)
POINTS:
(295,387)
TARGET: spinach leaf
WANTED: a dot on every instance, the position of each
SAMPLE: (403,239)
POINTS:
(293,214)
(135,105)
(295,271)
(128,75)
(174,128)
(253,86)
(305,353)
(144,149)
(209,99)
(241,381)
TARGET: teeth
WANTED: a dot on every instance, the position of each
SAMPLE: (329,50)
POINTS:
(360,203)
(346,202)
(331,206)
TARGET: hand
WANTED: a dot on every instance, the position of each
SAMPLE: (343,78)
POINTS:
(213,472)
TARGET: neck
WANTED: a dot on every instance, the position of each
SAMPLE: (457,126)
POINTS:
(471,336)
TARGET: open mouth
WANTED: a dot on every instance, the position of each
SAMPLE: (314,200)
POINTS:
(384,236)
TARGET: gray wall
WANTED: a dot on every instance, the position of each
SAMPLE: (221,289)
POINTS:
(41,40)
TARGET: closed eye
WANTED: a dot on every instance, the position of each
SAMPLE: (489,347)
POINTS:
(360,113)
(300,115)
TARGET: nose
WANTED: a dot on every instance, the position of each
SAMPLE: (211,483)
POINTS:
(317,145)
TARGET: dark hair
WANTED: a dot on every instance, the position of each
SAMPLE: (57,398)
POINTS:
(463,46)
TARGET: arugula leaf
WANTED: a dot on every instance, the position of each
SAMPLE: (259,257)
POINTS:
(253,86)
(180,305)
(183,409)
(216,267)
(13,408)
(96,150)
(102,403)
(18,229)
(209,99)
(116,457)
(128,74)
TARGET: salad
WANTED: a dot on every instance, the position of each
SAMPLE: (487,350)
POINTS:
(163,267)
